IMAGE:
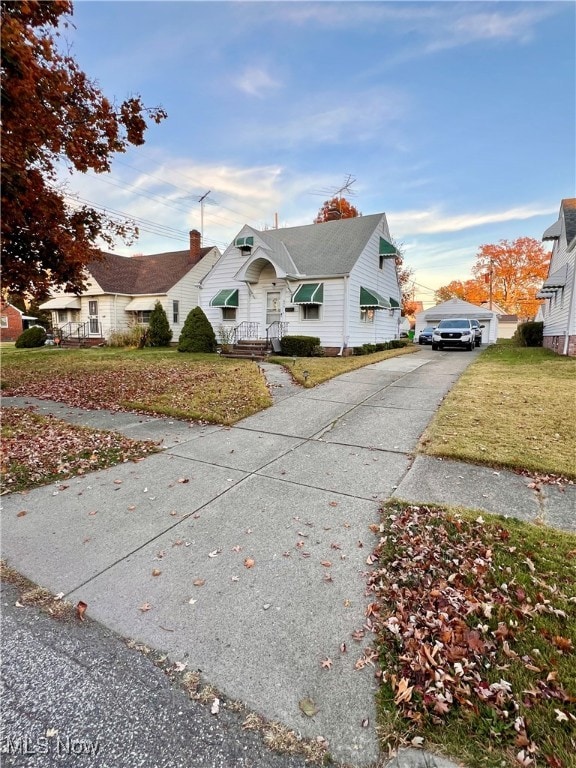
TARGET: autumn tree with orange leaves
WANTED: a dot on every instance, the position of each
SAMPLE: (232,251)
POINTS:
(334,209)
(53,118)
(518,269)
(339,208)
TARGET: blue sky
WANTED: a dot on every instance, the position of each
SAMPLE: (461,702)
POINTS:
(456,119)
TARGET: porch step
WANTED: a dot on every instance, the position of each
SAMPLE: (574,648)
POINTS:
(79,343)
(248,349)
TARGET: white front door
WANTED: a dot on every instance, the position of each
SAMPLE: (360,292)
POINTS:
(272,307)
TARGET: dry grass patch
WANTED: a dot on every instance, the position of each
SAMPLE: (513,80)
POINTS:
(310,371)
(513,407)
(33,595)
(203,388)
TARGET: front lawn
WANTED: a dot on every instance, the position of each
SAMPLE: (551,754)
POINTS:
(41,449)
(513,407)
(474,619)
(160,381)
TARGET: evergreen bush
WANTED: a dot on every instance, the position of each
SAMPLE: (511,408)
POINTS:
(159,331)
(529,334)
(31,337)
(197,334)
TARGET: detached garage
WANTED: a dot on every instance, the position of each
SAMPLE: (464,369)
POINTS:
(459,308)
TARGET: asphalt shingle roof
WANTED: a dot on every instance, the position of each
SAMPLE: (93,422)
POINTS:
(322,250)
(136,275)
(569,206)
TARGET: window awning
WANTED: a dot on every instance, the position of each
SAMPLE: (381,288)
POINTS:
(143,304)
(309,293)
(228,297)
(369,299)
(62,302)
(394,303)
(556,279)
(244,242)
(386,249)
(553,232)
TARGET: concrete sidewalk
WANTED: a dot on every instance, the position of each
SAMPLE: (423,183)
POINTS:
(293,489)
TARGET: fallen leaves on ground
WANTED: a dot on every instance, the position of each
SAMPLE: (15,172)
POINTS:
(218,390)
(469,626)
(38,449)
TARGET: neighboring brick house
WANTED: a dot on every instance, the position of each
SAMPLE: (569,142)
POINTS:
(558,311)
(12,321)
(121,291)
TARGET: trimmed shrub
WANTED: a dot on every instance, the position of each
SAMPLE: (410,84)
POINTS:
(359,351)
(159,331)
(369,348)
(197,333)
(299,346)
(31,337)
(529,334)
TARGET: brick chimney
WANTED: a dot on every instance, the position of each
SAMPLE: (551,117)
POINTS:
(195,246)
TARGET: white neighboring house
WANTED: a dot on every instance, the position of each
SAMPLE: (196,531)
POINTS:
(459,308)
(121,291)
(558,312)
(336,280)
(507,324)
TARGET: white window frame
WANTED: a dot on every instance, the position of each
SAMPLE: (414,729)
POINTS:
(367,315)
(3,321)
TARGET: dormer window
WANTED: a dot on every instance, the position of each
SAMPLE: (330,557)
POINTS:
(244,243)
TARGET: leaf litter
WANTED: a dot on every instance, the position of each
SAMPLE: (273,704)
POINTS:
(461,634)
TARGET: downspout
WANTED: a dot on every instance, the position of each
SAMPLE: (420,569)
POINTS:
(345,317)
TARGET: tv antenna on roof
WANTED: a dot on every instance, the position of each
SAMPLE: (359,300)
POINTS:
(201,201)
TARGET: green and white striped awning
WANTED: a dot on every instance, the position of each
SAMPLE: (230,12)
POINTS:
(394,304)
(370,299)
(244,242)
(228,297)
(309,293)
(387,250)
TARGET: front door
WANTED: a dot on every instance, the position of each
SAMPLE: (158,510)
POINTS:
(272,307)
(94,324)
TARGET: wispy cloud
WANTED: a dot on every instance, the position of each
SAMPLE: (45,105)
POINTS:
(433,221)
(256,81)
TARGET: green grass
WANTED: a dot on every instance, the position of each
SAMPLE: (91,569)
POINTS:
(513,407)
(311,371)
(492,600)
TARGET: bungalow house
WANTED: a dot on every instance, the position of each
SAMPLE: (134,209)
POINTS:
(121,292)
(558,312)
(12,321)
(335,280)
(459,308)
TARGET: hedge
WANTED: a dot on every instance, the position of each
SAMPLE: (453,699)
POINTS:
(299,346)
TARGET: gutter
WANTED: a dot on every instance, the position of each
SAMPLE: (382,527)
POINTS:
(572,310)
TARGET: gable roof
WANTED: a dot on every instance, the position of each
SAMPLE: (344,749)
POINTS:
(454,307)
(321,250)
(146,275)
(569,208)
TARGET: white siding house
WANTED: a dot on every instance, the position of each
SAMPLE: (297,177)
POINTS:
(336,280)
(459,308)
(558,312)
(121,292)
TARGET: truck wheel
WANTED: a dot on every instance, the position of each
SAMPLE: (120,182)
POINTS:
(434,346)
